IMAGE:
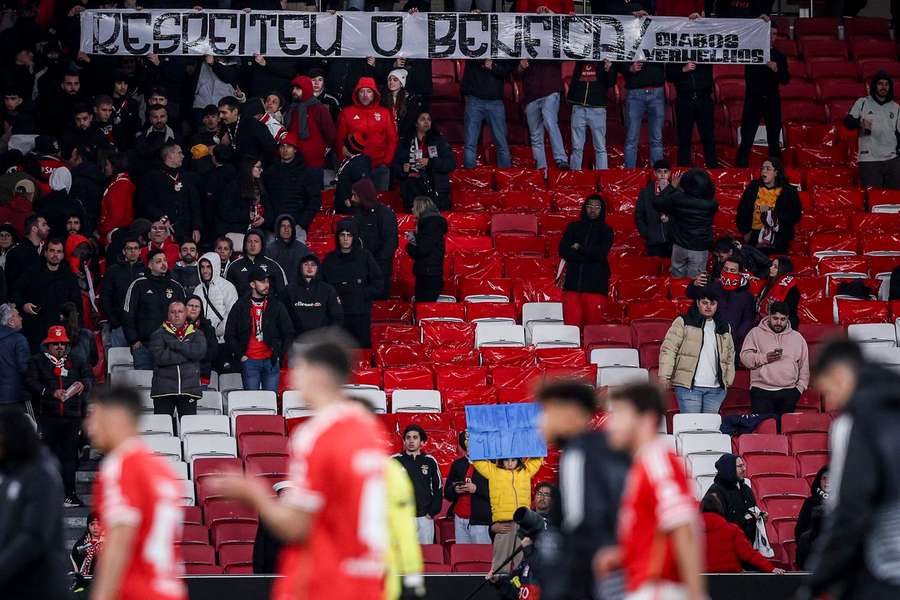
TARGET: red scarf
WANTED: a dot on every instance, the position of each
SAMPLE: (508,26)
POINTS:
(257,308)
(179,332)
(777,293)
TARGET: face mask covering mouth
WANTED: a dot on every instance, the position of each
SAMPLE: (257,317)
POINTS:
(730,281)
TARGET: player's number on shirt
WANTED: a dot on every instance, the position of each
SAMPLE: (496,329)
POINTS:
(372,509)
(159,549)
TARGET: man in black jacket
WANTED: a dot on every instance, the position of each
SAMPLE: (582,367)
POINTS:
(694,105)
(356,166)
(291,187)
(118,279)
(259,331)
(468,490)
(312,303)
(763,101)
(59,383)
(147,306)
(859,550)
(652,224)
(588,96)
(25,257)
(286,249)
(249,138)
(240,270)
(377,225)
(691,206)
(425,474)
(482,89)
(170,192)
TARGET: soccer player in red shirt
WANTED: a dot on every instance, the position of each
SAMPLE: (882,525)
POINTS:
(138,499)
(659,526)
(334,520)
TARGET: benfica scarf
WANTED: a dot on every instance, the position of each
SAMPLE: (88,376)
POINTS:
(179,332)
(257,308)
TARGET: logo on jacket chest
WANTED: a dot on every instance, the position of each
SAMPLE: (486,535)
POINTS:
(169,293)
(424,469)
(377,116)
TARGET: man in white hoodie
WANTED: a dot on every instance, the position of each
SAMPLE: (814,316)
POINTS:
(877,117)
(218,296)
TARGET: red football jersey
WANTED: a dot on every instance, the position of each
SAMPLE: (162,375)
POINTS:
(337,465)
(657,500)
(136,487)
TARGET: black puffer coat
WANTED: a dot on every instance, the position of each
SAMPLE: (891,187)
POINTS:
(587,267)
(355,275)
(176,362)
(293,190)
(428,250)
(736,496)
(691,209)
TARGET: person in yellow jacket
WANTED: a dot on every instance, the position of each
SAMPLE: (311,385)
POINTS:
(509,480)
(403,555)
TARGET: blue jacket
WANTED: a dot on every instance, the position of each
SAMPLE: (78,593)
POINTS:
(14,357)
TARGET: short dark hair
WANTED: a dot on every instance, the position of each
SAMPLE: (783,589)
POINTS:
(707,292)
(153,107)
(662,164)
(55,241)
(736,259)
(723,244)
(230,101)
(121,397)
(779,307)
(836,352)
(151,254)
(711,503)
(463,439)
(118,161)
(81,107)
(71,73)
(226,239)
(19,439)
(187,241)
(329,348)
(102,99)
(567,391)
(131,240)
(418,429)
(644,397)
(30,221)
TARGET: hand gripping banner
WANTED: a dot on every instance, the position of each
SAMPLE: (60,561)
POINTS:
(424,35)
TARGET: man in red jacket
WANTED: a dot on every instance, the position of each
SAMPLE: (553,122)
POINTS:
(374,123)
(310,121)
(117,205)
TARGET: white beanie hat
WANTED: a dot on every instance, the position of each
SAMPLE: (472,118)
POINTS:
(400,74)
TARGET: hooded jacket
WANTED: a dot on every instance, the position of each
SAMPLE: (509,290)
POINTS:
(314,304)
(14,355)
(115,285)
(441,161)
(881,143)
(239,271)
(646,217)
(680,350)
(737,308)
(587,267)
(60,203)
(374,123)
(42,380)
(428,249)
(377,226)
(509,489)
(176,363)
(218,295)
(288,253)
(293,190)
(727,548)
(278,331)
(691,209)
(147,305)
(809,521)
(736,496)
(116,206)
(317,132)
(787,212)
(789,371)
(355,275)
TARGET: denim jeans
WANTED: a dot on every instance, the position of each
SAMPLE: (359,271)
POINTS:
(470,534)
(593,118)
(425,530)
(142,358)
(541,114)
(117,338)
(699,399)
(256,373)
(477,111)
(652,103)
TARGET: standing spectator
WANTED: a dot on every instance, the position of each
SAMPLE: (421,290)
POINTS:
(353,272)
(87,548)
(542,82)
(14,355)
(509,481)
(250,139)
(185,271)
(778,360)
(317,77)
(116,282)
(59,384)
(736,496)
(218,296)
(117,205)
(811,517)
(293,189)
(652,224)
(694,106)
(769,210)
(149,143)
(254,195)
(40,294)
(877,117)
(423,164)
(312,303)
(482,89)
(697,356)
(286,249)
(240,270)
(691,208)
(25,257)
(763,101)
(60,203)
(194,317)
(737,307)
(147,307)
(425,474)
(585,247)
(727,548)
(780,286)
(404,106)
(160,238)
(312,127)
(225,250)
(259,331)
(82,341)
(167,192)
(377,225)
(177,349)
(224,201)
(470,494)
(645,95)
(31,539)
(587,94)
(355,166)
(658,507)
(426,247)
(368,119)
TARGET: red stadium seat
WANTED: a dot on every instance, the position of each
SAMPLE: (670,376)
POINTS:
(258,425)
(816,26)
(665,310)
(408,378)
(264,446)
(395,333)
(641,288)
(225,534)
(227,511)
(783,509)
(808,443)
(198,554)
(388,355)
(270,467)
(649,331)
(838,199)
(203,570)
(754,443)
(457,399)
(816,312)
(478,178)
(513,244)
(204,467)
(561,357)
(815,48)
(433,554)
(431,422)
(821,332)
(863,49)
(235,555)
(480,264)
(471,558)
(805,423)
(519,267)
(455,377)
(606,336)
(870,27)
(781,487)
(454,355)
(762,466)
(511,356)
(481,286)
(851,312)
(194,534)
(391,311)
(514,223)
(519,179)
(823,69)
(449,333)
(192,515)
(469,223)
(808,465)
(514,377)
(439,310)
(488,310)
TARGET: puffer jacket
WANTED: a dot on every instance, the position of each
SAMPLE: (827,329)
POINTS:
(587,268)
(372,123)
(177,362)
(355,275)
(509,489)
(218,296)
(289,253)
(690,218)
(680,350)
(727,550)
(14,357)
(428,250)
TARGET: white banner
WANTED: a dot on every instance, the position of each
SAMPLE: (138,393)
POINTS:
(424,35)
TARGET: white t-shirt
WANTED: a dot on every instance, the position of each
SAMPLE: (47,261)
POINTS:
(881,144)
(708,365)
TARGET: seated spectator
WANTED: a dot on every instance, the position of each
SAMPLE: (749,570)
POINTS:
(482,89)
(753,261)
(736,304)
(423,164)
(736,496)
(240,270)
(425,474)
(542,85)
(375,123)
(185,271)
(468,490)
(286,249)
(509,481)
(14,356)
(87,548)
(696,357)
(691,207)
(780,286)
(811,517)
(585,247)
(312,303)
(194,317)
(587,94)
(727,549)
(769,210)
(426,247)
(652,224)
(177,348)
(404,106)
(877,117)
(377,226)
(355,166)
(160,238)
(778,360)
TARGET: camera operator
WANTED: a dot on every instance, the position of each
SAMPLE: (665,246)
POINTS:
(591,479)
(522,581)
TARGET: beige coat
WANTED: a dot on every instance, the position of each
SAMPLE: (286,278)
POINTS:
(680,353)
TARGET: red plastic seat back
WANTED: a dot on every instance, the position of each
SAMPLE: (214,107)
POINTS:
(755,443)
